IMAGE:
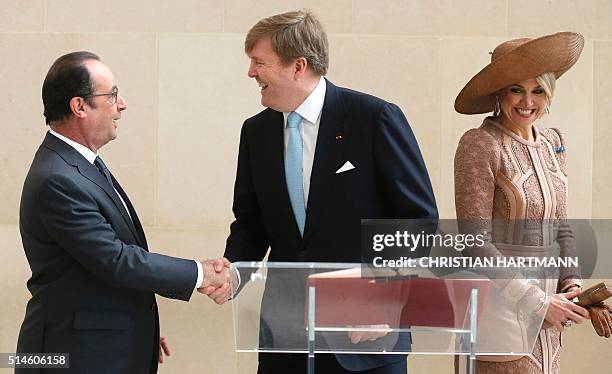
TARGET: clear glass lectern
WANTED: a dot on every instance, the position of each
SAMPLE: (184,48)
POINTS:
(352,309)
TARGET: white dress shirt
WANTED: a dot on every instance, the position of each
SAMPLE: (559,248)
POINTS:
(310,111)
(91,157)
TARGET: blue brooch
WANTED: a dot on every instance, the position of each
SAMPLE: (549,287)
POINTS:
(560,149)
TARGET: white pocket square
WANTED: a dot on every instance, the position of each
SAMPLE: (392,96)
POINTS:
(346,167)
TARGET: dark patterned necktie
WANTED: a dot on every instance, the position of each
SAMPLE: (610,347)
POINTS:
(104,170)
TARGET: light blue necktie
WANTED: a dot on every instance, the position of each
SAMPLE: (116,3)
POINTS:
(293,170)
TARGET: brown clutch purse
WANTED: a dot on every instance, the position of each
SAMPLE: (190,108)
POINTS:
(595,294)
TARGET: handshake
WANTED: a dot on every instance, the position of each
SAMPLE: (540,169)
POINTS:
(219,281)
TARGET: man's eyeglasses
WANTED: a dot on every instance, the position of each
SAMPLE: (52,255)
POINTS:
(112,96)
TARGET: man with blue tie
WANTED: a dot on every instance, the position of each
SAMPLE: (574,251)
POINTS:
(312,165)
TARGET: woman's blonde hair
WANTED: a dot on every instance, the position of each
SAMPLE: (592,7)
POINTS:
(547,81)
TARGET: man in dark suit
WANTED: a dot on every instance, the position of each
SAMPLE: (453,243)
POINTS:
(313,164)
(93,278)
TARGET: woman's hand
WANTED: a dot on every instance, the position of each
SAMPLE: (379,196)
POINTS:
(561,310)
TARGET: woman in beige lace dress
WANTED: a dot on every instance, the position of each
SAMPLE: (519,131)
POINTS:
(510,170)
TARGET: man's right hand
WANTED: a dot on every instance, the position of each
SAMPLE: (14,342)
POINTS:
(216,273)
(219,280)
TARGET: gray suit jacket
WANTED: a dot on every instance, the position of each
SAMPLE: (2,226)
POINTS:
(93,279)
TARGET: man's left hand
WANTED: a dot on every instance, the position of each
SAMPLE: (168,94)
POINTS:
(163,349)
(377,332)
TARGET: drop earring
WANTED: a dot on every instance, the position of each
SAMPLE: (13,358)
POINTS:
(496,107)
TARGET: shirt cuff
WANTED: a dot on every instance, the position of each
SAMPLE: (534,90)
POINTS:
(200,275)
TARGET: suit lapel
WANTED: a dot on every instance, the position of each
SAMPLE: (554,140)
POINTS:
(332,137)
(89,171)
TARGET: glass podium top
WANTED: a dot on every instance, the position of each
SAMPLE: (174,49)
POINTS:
(350,308)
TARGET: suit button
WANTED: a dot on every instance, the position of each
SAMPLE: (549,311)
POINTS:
(153,306)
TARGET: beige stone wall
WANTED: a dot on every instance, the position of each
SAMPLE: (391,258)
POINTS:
(181,68)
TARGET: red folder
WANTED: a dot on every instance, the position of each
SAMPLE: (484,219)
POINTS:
(399,302)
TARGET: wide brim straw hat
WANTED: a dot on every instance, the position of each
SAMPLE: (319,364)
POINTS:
(515,61)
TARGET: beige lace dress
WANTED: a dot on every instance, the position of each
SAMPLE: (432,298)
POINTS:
(500,177)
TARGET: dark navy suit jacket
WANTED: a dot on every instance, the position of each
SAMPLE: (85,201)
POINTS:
(389,181)
(93,279)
